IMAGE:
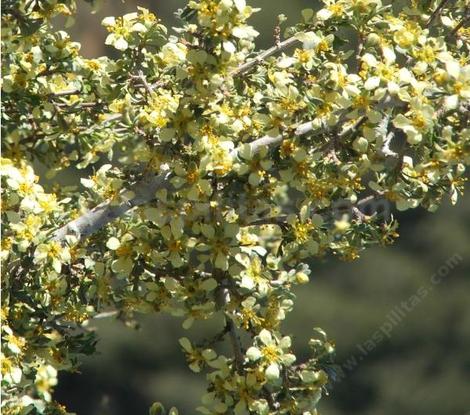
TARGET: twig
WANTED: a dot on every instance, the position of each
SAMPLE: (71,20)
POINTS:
(236,345)
(385,150)
(360,48)
(247,66)
(356,209)
(222,297)
(353,128)
(358,214)
(272,220)
(112,118)
(366,200)
(382,130)
(465,19)
(78,107)
(233,335)
(65,93)
(215,339)
(147,87)
(106,314)
(436,12)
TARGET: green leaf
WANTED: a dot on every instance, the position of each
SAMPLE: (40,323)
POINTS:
(157,409)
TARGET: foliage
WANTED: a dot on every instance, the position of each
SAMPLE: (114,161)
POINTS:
(215,172)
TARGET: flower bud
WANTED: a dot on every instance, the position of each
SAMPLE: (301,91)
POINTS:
(373,39)
(302,277)
(360,144)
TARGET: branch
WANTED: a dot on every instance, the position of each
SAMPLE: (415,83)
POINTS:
(247,66)
(268,141)
(269,220)
(360,49)
(106,212)
(147,87)
(465,19)
(144,191)
(65,93)
(387,137)
(366,200)
(354,209)
(112,118)
(236,345)
(436,12)
(106,314)
(231,329)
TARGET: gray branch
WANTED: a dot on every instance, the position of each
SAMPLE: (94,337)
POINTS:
(247,66)
(144,191)
(95,219)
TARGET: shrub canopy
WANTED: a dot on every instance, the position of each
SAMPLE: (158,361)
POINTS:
(207,174)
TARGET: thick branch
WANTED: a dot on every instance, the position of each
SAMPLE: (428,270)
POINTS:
(144,191)
(106,212)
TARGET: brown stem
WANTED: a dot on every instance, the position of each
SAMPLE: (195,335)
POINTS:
(436,12)
(230,328)
(465,19)
(360,48)
(236,344)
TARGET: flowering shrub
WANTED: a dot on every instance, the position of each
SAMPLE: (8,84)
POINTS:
(207,176)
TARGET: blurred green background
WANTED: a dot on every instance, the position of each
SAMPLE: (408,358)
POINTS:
(423,368)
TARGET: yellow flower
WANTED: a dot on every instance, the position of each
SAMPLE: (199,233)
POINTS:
(197,358)
(416,122)
(10,372)
(48,202)
(336,9)
(249,314)
(15,344)
(161,106)
(46,378)
(407,35)
(273,353)
(52,252)
(173,54)
(92,64)
(302,231)
(124,251)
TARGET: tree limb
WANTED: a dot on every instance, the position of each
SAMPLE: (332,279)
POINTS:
(144,191)
(93,220)
(147,87)
(65,93)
